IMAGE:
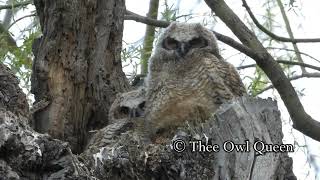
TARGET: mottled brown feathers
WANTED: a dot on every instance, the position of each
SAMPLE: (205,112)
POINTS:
(187,82)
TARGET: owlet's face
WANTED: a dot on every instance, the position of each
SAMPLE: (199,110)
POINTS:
(184,40)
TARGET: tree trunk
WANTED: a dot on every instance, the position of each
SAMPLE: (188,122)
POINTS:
(77,67)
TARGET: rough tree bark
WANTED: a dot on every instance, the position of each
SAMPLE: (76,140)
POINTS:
(11,96)
(77,68)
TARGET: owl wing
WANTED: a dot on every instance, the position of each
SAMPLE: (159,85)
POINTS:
(232,79)
(224,76)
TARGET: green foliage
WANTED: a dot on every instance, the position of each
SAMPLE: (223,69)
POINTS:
(130,52)
(130,56)
(169,13)
(258,82)
(16,49)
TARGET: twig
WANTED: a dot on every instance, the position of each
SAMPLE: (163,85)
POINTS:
(303,53)
(271,34)
(284,62)
(30,15)
(288,27)
(306,75)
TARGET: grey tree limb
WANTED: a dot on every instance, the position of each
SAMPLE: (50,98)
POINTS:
(284,62)
(296,77)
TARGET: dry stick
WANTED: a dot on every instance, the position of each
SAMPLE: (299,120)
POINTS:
(284,62)
(19,19)
(301,120)
(305,75)
(303,53)
(288,27)
(271,34)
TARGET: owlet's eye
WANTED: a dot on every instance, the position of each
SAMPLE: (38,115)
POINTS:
(170,44)
(198,42)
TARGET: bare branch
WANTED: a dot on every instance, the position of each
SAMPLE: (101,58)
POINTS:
(10,6)
(288,27)
(153,22)
(301,120)
(305,75)
(284,62)
(303,53)
(271,34)
(19,19)
(236,45)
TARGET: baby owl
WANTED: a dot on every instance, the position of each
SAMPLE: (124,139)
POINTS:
(187,78)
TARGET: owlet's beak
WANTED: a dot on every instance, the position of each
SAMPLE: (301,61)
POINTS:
(183,48)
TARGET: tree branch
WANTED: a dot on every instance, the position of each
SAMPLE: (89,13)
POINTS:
(19,19)
(303,53)
(288,27)
(153,22)
(284,62)
(305,75)
(301,120)
(271,34)
(159,23)
(236,45)
(10,6)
